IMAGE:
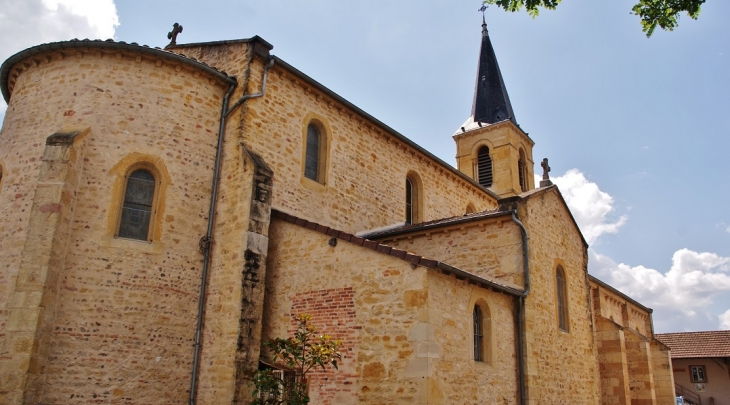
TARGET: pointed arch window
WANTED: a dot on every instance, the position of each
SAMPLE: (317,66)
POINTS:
(136,215)
(484,167)
(562,296)
(522,170)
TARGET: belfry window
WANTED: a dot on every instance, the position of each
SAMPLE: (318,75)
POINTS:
(522,170)
(562,295)
(484,167)
(139,194)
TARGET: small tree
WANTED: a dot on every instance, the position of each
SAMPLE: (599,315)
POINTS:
(300,353)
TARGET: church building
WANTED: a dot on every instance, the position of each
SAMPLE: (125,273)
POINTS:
(163,212)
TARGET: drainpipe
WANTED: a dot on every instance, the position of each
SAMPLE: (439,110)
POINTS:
(207,240)
(520,308)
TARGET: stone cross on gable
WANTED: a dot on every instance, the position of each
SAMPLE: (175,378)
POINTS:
(545,176)
(172,35)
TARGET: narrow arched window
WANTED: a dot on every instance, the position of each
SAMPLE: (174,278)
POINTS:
(478,334)
(562,295)
(470,208)
(522,170)
(139,194)
(312,157)
(484,167)
(414,199)
(409,201)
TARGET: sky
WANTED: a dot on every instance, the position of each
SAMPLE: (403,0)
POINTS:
(636,129)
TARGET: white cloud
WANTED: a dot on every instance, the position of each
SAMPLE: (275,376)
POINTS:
(685,297)
(590,206)
(25,23)
(727,229)
(725,320)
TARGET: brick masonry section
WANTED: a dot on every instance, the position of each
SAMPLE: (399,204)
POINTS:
(333,311)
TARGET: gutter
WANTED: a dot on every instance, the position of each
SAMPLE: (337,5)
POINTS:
(521,309)
(207,240)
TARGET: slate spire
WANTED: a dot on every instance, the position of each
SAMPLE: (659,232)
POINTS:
(491,102)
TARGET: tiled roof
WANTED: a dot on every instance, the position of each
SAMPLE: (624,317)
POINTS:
(437,223)
(397,253)
(697,344)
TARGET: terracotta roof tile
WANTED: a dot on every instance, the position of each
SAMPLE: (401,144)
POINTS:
(697,344)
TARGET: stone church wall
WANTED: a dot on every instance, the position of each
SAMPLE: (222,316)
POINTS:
(366,167)
(490,248)
(125,312)
(561,366)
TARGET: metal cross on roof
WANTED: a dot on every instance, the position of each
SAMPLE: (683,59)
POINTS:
(483,8)
(172,35)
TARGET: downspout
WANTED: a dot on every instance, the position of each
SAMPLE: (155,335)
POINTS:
(520,308)
(207,240)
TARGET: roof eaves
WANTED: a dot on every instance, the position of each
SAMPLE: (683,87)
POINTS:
(100,44)
(619,293)
(436,224)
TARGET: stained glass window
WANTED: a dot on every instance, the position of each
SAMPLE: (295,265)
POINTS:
(311,160)
(137,208)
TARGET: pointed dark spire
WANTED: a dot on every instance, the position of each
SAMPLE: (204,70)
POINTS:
(491,102)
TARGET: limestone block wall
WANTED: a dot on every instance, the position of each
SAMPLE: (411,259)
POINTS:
(663,376)
(366,167)
(561,366)
(406,330)
(383,313)
(125,310)
(489,248)
(456,377)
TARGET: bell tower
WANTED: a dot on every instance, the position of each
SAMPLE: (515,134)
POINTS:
(490,147)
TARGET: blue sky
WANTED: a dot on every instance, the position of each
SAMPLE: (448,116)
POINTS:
(636,129)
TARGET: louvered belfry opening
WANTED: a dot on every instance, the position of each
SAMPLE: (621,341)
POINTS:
(484,167)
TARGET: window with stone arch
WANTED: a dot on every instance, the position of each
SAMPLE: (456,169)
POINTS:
(470,208)
(138,204)
(482,328)
(522,170)
(315,152)
(414,199)
(561,289)
(484,167)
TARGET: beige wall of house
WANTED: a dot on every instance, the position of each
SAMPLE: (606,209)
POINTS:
(716,389)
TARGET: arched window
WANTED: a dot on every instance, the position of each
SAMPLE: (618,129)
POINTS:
(313,151)
(414,211)
(139,194)
(522,170)
(562,295)
(482,326)
(470,208)
(484,167)
(409,201)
